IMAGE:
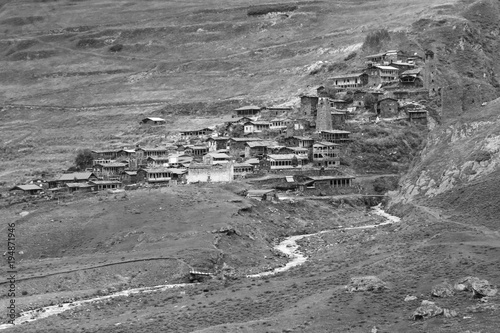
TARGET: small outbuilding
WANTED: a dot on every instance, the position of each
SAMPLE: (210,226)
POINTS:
(263,195)
(30,189)
(153,121)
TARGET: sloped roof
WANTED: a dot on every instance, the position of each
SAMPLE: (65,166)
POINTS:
(258,192)
(28,187)
(376,55)
(219,155)
(252,161)
(248,107)
(253,144)
(82,185)
(112,165)
(154,119)
(280,157)
(247,165)
(245,139)
(304,138)
(76,175)
(152,148)
(386,67)
(324,143)
(346,76)
(316,178)
(414,71)
(105,182)
(336,132)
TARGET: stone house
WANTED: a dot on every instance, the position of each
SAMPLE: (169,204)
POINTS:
(325,183)
(354,80)
(216,158)
(153,121)
(30,189)
(210,173)
(335,136)
(128,177)
(242,169)
(80,187)
(284,161)
(412,78)
(75,177)
(217,143)
(308,106)
(100,185)
(379,74)
(280,124)
(258,148)
(237,145)
(338,118)
(256,126)
(387,107)
(326,154)
(110,169)
(155,162)
(275,111)
(299,141)
(418,116)
(142,153)
(105,154)
(197,132)
(154,175)
(247,111)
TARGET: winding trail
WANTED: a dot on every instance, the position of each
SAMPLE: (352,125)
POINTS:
(288,246)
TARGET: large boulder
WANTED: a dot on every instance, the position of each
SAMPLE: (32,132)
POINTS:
(427,309)
(442,290)
(366,283)
(479,288)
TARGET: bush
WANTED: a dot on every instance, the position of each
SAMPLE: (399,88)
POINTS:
(374,40)
(350,56)
(89,43)
(83,159)
(116,48)
(263,10)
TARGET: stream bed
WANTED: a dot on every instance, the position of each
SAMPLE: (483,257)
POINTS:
(288,246)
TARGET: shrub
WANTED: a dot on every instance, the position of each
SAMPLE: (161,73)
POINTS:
(116,48)
(266,9)
(83,159)
(350,56)
(374,40)
(89,43)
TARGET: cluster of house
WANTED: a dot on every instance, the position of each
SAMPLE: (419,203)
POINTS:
(310,137)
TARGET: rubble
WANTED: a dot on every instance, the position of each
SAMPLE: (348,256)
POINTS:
(442,290)
(426,310)
(366,283)
(480,288)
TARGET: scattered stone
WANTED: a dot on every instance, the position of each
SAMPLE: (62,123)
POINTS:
(427,310)
(442,290)
(480,288)
(23,214)
(409,298)
(450,313)
(366,283)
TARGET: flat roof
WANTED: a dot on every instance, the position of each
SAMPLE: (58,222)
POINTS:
(386,67)
(345,76)
(285,156)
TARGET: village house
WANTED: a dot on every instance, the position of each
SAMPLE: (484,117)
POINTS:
(379,74)
(30,189)
(335,136)
(402,66)
(309,105)
(285,161)
(386,57)
(237,145)
(128,177)
(263,195)
(154,175)
(326,154)
(75,177)
(105,154)
(338,118)
(325,183)
(297,151)
(153,121)
(354,80)
(197,132)
(258,148)
(242,169)
(418,116)
(157,161)
(412,78)
(109,169)
(79,187)
(247,111)
(100,185)
(280,124)
(299,141)
(216,158)
(196,151)
(126,154)
(387,107)
(358,98)
(338,104)
(374,59)
(217,143)
(210,173)
(256,126)
(275,111)
(142,153)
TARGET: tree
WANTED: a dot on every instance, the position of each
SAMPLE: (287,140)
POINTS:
(370,101)
(84,159)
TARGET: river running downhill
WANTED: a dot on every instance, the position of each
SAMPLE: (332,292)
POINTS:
(288,246)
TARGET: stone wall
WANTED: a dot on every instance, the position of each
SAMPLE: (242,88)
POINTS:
(210,173)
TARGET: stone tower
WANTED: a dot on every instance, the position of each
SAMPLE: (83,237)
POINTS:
(324,116)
